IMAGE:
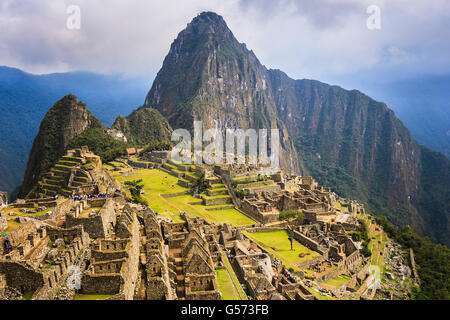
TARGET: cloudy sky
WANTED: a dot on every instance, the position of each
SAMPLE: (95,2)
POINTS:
(326,40)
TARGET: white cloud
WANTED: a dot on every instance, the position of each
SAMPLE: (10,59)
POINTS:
(322,39)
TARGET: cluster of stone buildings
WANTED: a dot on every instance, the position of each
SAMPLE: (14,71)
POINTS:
(46,256)
(83,244)
(266,192)
(106,246)
(180,259)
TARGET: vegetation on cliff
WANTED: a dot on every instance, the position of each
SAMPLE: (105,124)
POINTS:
(433,261)
(144,127)
(101,143)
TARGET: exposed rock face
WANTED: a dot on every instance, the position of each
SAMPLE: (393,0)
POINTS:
(208,75)
(3,199)
(142,127)
(345,139)
(64,121)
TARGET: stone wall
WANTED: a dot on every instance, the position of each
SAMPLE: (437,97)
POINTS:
(101,284)
(341,268)
(307,242)
(158,290)
(132,266)
(265,229)
(99,202)
(172,195)
(271,189)
(3,221)
(253,212)
(68,235)
(207,290)
(308,263)
(99,226)
(93,225)
(216,201)
(21,277)
(141,165)
(59,212)
(19,235)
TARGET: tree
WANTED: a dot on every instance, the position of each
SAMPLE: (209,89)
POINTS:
(157,146)
(291,238)
(136,188)
(200,185)
(286,215)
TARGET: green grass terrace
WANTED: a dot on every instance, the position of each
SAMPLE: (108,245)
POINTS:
(157,182)
(278,244)
(13,224)
(338,281)
(228,283)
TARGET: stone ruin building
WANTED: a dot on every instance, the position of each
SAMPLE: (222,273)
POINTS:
(113,265)
(41,257)
(44,254)
(180,260)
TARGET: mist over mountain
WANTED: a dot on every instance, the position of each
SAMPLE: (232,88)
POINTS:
(25,98)
(422,104)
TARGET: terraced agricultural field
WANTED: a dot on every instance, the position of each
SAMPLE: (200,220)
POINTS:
(277,243)
(12,224)
(338,281)
(157,182)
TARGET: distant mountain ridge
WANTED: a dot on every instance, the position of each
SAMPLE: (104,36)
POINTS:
(345,139)
(25,98)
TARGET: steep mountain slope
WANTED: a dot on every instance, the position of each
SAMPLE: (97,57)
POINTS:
(344,138)
(422,104)
(141,127)
(64,121)
(348,140)
(208,75)
(25,98)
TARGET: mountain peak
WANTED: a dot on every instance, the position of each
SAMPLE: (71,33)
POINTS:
(207,23)
(64,121)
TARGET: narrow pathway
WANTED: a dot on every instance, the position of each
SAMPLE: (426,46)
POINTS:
(237,286)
